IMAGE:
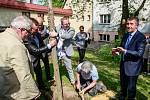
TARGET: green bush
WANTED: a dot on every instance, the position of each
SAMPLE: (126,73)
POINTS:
(106,54)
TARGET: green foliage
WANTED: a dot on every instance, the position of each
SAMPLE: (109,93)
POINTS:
(58,3)
(116,42)
(105,53)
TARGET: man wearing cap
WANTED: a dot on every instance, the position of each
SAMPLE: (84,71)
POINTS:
(87,77)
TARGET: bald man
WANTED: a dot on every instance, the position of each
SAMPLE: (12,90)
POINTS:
(43,30)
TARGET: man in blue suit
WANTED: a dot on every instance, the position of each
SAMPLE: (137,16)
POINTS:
(132,49)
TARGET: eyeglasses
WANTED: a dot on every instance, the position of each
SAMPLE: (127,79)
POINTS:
(23,29)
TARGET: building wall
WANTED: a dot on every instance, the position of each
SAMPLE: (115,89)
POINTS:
(7,15)
(114,9)
(82,8)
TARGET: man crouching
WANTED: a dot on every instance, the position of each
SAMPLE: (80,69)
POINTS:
(87,77)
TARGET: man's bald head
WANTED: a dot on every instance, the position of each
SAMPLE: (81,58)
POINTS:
(40,21)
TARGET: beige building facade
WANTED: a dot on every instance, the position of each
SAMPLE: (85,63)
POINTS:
(82,14)
(9,10)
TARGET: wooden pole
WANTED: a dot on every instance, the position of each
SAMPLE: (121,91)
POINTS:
(58,89)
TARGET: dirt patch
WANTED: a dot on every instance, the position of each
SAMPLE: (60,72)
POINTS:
(105,96)
(69,93)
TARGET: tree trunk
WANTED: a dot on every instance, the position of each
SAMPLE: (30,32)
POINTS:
(125,15)
(57,93)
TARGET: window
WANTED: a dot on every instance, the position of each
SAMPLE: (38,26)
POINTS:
(116,37)
(82,17)
(104,1)
(105,18)
(40,15)
(26,14)
(89,17)
(104,37)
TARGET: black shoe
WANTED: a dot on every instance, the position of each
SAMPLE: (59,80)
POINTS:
(43,87)
(49,78)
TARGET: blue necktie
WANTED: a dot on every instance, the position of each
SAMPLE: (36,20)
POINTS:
(128,41)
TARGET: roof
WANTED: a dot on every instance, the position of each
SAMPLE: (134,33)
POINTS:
(33,7)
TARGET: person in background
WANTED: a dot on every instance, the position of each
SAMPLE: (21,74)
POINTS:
(64,46)
(132,50)
(81,43)
(87,77)
(146,56)
(45,34)
(36,47)
(16,81)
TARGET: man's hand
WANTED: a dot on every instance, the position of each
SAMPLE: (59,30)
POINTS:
(53,34)
(115,51)
(53,42)
(78,86)
(120,49)
(82,92)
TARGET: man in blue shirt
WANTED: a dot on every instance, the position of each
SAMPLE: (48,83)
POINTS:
(87,77)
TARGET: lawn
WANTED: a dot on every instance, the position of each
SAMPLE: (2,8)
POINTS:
(108,69)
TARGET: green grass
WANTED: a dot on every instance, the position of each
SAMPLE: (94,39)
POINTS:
(108,70)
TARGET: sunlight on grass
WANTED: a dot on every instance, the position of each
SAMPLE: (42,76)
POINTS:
(108,70)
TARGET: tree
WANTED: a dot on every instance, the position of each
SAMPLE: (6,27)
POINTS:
(126,12)
(58,89)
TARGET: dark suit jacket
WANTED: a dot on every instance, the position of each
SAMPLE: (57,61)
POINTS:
(35,51)
(131,62)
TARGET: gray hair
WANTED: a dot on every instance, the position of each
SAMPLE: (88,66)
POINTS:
(22,22)
(86,66)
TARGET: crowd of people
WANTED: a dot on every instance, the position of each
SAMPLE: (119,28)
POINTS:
(27,42)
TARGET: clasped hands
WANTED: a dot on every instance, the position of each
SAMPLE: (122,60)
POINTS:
(81,92)
(53,42)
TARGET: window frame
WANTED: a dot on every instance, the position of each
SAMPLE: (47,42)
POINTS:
(104,18)
(28,14)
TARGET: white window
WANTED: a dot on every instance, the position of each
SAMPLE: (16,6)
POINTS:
(105,19)
(89,17)
(40,15)
(104,37)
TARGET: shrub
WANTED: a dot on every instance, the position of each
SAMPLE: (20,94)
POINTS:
(105,53)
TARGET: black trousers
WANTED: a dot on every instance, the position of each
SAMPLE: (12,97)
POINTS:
(38,73)
(84,83)
(81,54)
(47,67)
(128,86)
(145,65)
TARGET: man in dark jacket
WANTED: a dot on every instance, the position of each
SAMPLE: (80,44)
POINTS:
(36,47)
(132,50)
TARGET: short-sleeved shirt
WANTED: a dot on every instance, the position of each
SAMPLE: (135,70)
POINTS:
(93,72)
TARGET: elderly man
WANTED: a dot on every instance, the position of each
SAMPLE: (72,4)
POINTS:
(87,77)
(64,46)
(16,81)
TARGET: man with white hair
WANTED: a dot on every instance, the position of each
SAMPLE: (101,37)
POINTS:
(87,77)
(16,81)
